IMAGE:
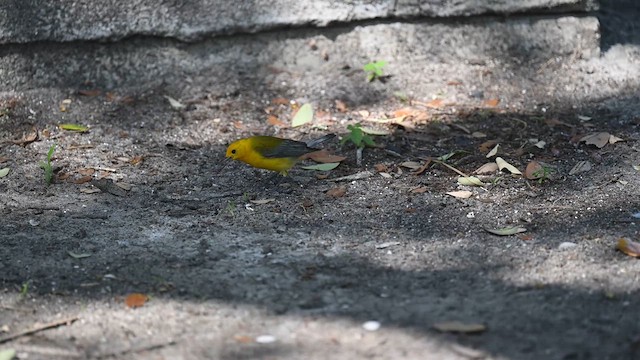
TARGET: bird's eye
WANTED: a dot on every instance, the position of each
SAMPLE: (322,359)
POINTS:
(233,151)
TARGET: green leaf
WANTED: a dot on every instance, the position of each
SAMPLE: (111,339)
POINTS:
(7,354)
(303,116)
(511,230)
(322,167)
(4,172)
(50,152)
(73,127)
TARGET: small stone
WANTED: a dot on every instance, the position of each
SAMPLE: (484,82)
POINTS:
(265,339)
(371,325)
(566,245)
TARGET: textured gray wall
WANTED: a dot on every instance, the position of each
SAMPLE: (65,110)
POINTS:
(24,21)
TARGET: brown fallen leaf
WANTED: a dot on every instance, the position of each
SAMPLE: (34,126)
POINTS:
(629,247)
(62,175)
(423,168)
(460,327)
(492,103)
(419,190)
(534,171)
(3,159)
(82,180)
(27,138)
(323,156)
(488,168)
(435,103)
(94,92)
(454,83)
(462,194)
(280,101)
(337,192)
(243,339)
(274,121)
(87,171)
(107,185)
(135,300)
(381,167)
(487,145)
(341,106)
(598,139)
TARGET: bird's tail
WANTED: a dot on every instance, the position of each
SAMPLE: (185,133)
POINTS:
(316,142)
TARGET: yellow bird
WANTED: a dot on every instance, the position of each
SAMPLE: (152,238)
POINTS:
(272,153)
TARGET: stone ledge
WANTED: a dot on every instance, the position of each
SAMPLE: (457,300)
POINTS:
(70,20)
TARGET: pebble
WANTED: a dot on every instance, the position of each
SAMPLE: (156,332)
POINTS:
(265,339)
(371,325)
(567,245)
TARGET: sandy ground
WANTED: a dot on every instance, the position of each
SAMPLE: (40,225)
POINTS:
(240,264)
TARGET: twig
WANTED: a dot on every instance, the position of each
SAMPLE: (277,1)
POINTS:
(137,349)
(450,167)
(37,329)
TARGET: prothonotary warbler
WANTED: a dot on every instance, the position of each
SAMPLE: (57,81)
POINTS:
(272,153)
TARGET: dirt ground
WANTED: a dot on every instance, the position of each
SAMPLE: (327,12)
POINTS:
(241,264)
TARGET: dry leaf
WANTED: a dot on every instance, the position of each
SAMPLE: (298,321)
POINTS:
(64,104)
(454,83)
(629,247)
(534,171)
(493,151)
(137,160)
(492,103)
(274,121)
(502,164)
(280,101)
(341,106)
(337,192)
(470,181)
(435,103)
(478,135)
(488,168)
(510,230)
(136,300)
(323,156)
(262,201)
(459,327)
(89,190)
(124,186)
(243,339)
(381,167)
(364,113)
(411,165)
(580,167)
(27,138)
(485,146)
(462,194)
(94,92)
(82,180)
(599,139)
(614,139)
(86,171)
(175,104)
(385,175)
(4,172)
(419,190)
(3,159)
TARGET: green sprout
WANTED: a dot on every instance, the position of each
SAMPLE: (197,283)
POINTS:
(374,70)
(24,289)
(231,208)
(542,174)
(48,169)
(359,138)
